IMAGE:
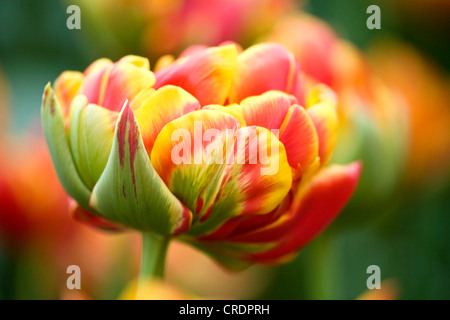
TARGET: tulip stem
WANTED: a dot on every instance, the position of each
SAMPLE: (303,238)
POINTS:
(323,269)
(154,250)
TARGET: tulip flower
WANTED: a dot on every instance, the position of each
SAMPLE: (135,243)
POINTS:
(223,149)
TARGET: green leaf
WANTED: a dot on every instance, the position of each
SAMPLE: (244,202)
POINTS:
(130,191)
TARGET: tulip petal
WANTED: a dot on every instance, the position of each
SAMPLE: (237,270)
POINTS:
(267,110)
(325,197)
(277,110)
(130,192)
(194,176)
(300,139)
(129,76)
(77,109)
(322,110)
(67,86)
(96,66)
(91,132)
(109,84)
(265,67)
(97,133)
(233,110)
(55,135)
(154,109)
(255,181)
(96,76)
(206,74)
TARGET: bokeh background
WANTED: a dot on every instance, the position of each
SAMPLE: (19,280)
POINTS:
(404,228)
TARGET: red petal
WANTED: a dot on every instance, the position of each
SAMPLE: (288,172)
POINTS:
(206,74)
(265,67)
(327,194)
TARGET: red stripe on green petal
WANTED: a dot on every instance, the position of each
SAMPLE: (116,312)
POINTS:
(128,128)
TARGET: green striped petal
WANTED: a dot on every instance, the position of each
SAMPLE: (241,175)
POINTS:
(130,192)
(55,135)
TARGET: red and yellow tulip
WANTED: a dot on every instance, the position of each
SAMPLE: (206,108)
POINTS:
(111,131)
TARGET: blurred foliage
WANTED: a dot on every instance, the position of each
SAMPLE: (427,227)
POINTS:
(409,241)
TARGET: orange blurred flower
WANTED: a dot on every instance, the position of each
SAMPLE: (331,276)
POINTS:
(426,90)
(33,205)
(389,291)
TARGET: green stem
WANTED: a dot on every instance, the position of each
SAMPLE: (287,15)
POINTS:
(323,266)
(154,249)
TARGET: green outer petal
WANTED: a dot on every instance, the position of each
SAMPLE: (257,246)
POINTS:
(90,133)
(130,191)
(55,135)
(98,132)
(75,136)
